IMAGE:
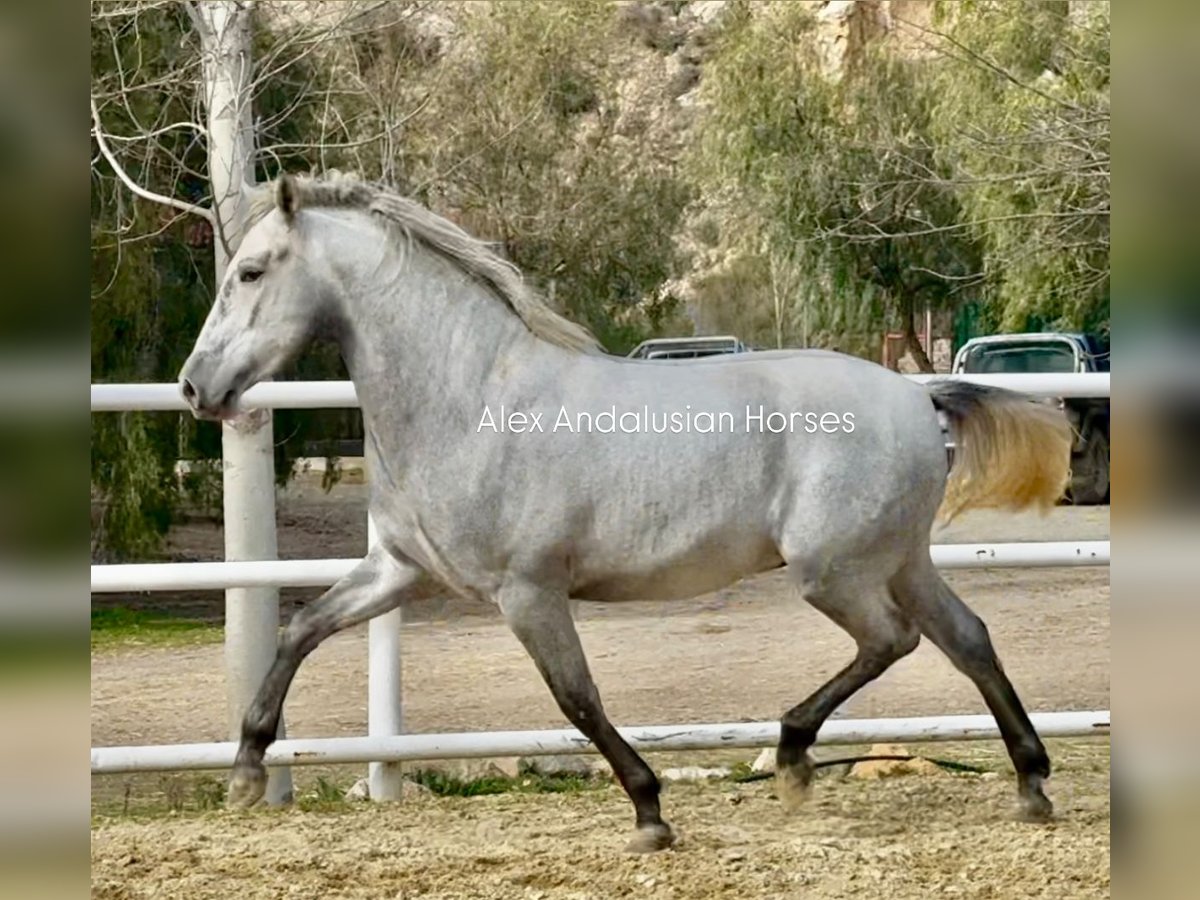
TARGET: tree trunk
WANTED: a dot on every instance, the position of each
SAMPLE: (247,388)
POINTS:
(911,342)
(251,614)
(777,302)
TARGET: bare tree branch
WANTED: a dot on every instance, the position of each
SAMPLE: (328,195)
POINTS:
(156,132)
(981,60)
(144,193)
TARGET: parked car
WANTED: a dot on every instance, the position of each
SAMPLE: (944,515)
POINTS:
(1089,416)
(687,348)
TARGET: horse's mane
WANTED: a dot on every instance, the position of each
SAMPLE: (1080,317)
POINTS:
(336,190)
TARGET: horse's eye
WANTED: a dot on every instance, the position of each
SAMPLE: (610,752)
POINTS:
(247,276)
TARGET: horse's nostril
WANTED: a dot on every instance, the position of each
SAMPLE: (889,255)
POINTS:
(188,390)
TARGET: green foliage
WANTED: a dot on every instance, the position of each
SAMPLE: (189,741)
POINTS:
(150,283)
(1023,120)
(208,793)
(832,179)
(517,139)
(960,175)
(324,796)
(445,785)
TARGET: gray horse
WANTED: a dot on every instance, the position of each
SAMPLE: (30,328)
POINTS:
(516,463)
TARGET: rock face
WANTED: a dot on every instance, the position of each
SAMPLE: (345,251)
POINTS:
(669,43)
(846,27)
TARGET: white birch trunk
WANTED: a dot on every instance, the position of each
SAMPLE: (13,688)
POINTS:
(251,614)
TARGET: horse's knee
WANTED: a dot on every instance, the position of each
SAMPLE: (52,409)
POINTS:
(578,699)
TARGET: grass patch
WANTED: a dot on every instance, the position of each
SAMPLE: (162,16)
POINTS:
(148,796)
(325,795)
(445,785)
(117,626)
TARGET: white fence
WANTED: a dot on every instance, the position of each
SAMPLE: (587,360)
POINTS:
(385,746)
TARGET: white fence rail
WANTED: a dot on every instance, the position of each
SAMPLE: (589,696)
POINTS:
(198,576)
(385,746)
(399,748)
(340,394)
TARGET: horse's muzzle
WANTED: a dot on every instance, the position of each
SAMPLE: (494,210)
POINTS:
(203,407)
(207,396)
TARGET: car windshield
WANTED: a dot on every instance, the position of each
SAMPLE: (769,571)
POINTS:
(684,354)
(986,359)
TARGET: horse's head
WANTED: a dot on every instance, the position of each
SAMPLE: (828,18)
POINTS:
(264,314)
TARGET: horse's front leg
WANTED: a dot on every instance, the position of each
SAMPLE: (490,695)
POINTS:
(541,620)
(376,585)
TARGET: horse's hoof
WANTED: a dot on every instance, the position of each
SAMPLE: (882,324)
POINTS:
(1037,809)
(793,784)
(246,787)
(1035,806)
(651,839)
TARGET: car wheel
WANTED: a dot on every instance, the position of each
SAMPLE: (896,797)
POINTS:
(1089,472)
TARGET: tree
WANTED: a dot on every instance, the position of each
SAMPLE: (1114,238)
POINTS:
(143,287)
(158,238)
(835,172)
(1023,122)
(223,96)
(523,142)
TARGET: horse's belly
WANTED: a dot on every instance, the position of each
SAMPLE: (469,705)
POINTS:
(698,571)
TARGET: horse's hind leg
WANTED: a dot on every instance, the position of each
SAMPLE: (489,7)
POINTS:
(374,586)
(884,634)
(542,622)
(963,637)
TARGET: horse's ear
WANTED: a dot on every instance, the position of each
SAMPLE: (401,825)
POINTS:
(286,195)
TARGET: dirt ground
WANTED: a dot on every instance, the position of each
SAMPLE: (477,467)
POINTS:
(901,839)
(744,653)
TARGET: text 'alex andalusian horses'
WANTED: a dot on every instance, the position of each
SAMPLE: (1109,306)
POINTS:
(829,464)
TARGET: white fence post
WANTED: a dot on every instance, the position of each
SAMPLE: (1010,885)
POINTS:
(384,706)
(251,614)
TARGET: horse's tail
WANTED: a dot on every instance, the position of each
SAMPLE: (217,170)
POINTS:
(1011,452)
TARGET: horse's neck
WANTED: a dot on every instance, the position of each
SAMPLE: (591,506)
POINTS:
(422,345)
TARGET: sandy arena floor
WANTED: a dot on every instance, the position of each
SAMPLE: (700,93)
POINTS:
(918,836)
(747,652)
